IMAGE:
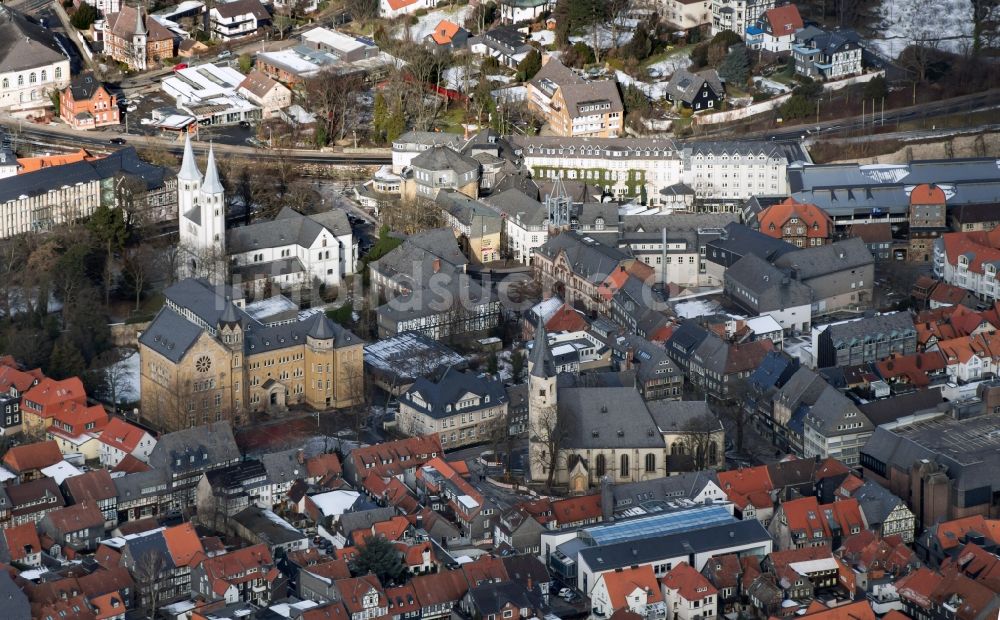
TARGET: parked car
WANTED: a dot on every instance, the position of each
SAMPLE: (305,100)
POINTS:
(564,592)
(225,54)
(116,141)
(180,65)
(131,108)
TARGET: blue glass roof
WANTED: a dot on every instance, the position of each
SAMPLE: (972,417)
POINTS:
(658,525)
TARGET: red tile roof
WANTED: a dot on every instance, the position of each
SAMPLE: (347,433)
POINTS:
(122,435)
(10,376)
(108,605)
(239,566)
(566,319)
(332,569)
(577,509)
(184,545)
(918,586)
(76,517)
(49,394)
(440,588)
(622,583)
(28,457)
(402,601)
(951,533)
(976,563)
(22,540)
(484,569)
(925,194)
(74,420)
(93,486)
(354,589)
(724,570)
(784,20)
(912,369)
(688,583)
(329,611)
(748,486)
(324,465)
(392,458)
(444,32)
(130,465)
(861,610)
(815,220)
(978,247)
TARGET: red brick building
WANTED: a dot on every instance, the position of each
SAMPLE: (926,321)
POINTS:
(86,104)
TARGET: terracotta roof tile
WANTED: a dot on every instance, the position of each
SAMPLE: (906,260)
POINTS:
(748,485)
(784,20)
(122,435)
(21,540)
(332,569)
(32,456)
(622,583)
(925,194)
(184,545)
(689,583)
(440,588)
(76,517)
(861,610)
(818,223)
(353,589)
(91,486)
(444,32)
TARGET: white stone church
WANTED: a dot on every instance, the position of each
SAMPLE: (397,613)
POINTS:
(290,251)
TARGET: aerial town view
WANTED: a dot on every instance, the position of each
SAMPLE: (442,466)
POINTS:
(500,309)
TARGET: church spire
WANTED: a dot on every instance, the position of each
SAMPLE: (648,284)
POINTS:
(140,24)
(540,362)
(189,167)
(212,185)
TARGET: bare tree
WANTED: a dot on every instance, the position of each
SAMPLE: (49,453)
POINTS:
(412,215)
(701,434)
(138,264)
(150,573)
(334,97)
(549,434)
(115,373)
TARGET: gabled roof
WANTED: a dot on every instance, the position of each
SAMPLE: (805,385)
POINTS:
(445,31)
(238,8)
(24,43)
(577,509)
(622,584)
(684,85)
(688,583)
(816,221)
(441,588)
(122,435)
(20,541)
(748,486)
(27,457)
(84,86)
(123,25)
(440,400)
(195,448)
(76,517)
(258,83)
(93,486)
(784,20)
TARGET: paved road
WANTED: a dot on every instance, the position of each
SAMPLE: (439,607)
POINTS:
(968,103)
(98,141)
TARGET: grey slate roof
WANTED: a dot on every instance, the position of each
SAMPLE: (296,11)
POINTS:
(41,181)
(890,324)
(590,259)
(832,409)
(514,203)
(439,158)
(826,259)
(15,602)
(578,95)
(269,527)
(449,389)
(170,334)
(364,519)
(607,418)
(133,487)
(686,485)
(417,253)
(194,449)
(684,85)
(289,227)
(805,386)
(651,360)
(24,43)
(284,466)
(84,86)
(540,357)
(741,240)
(886,410)
(629,553)
(772,287)
(677,416)
(876,502)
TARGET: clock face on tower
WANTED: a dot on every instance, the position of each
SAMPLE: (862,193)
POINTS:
(203,363)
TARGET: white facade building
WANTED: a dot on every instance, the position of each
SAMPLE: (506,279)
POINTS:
(736,15)
(201,212)
(211,93)
(32,64)
(726,171)
(391,9)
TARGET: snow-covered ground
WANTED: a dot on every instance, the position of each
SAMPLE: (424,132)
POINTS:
(545,37)
(128,380)
(949,22)
(425,25)
(700,307)
(668,65)
(655,91)
(605,38)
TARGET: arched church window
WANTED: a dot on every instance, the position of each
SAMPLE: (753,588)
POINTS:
(600,467)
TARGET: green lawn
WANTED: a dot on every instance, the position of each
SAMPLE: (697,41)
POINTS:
(451,121)
(682,50)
